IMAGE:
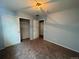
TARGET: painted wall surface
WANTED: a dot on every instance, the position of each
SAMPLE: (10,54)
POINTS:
(1,36)
(35,29)
(63,28)
(10,27)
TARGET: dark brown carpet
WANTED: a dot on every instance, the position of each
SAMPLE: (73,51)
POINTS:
(37,49)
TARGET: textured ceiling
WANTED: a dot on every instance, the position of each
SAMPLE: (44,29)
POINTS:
(53,5)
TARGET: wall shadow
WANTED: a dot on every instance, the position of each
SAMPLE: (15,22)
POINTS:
(1,35)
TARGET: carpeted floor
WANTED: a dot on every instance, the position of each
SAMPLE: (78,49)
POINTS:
(37,49)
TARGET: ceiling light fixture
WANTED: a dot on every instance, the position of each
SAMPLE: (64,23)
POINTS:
(38,4)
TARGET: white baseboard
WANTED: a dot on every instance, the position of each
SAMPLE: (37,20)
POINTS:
(63,46)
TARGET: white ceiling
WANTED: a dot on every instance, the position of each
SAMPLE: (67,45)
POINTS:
(54,5)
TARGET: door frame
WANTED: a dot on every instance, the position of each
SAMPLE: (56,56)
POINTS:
(20,27)
(43,27)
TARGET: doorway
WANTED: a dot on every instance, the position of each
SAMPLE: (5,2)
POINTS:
(24,29)
(41,28)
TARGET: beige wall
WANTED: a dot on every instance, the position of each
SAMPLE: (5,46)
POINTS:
(10,35)
(35,29)
(65,31)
